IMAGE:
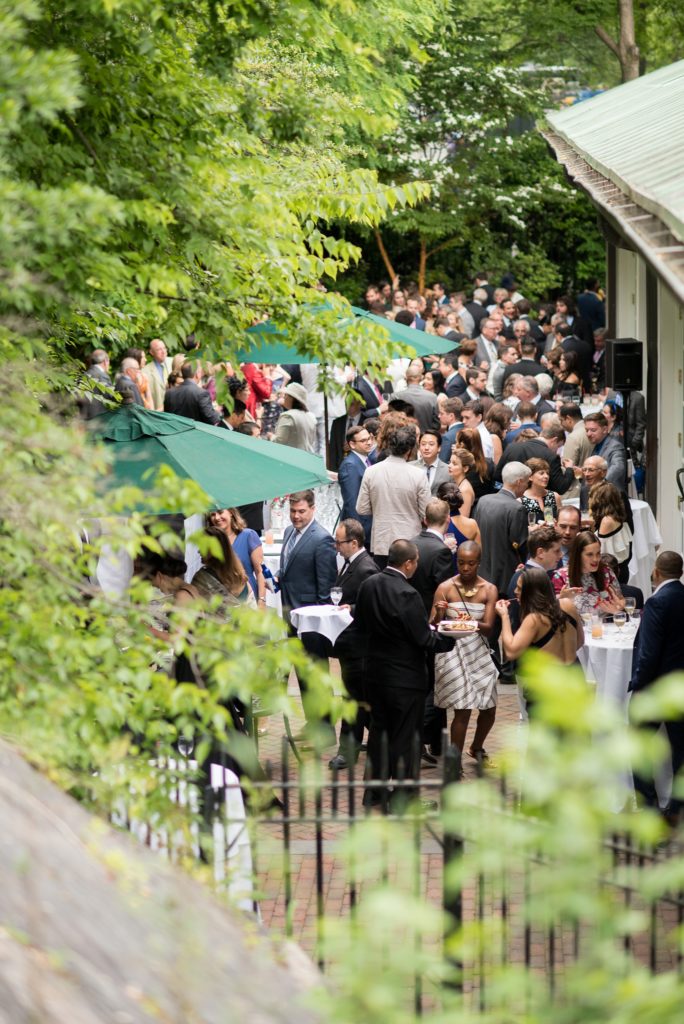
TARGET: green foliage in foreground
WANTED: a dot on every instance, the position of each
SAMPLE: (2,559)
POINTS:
(546,839)
(84,687)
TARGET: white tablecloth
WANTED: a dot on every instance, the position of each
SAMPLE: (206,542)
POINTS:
(272,560)
(645,545)
(608,662)
(326,619)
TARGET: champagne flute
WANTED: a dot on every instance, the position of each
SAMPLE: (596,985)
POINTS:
(630,606)
(336,595)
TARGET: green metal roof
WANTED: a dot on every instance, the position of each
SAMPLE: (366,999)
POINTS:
(634,136)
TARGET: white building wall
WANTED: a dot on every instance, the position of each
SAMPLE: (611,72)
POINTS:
(670,417)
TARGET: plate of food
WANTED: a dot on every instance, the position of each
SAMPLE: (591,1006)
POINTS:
(457,627)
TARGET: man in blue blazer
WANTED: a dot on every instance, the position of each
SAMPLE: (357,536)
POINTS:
(308,569)
(350,475)
(658,650)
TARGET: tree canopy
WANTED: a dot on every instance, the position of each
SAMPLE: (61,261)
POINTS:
(175,167)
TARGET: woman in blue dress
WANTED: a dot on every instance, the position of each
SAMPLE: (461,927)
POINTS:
(247,546)
(460,528)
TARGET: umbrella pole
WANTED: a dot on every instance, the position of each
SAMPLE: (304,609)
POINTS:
(325,427)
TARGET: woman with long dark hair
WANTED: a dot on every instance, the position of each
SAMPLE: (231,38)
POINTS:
(246,545)
(546,623)
(587,574)
(223,575)
(607,509)
(460,528)
(481,476)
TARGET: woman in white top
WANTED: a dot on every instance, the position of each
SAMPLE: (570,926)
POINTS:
(607,509)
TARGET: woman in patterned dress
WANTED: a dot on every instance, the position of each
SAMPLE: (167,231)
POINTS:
(466,677)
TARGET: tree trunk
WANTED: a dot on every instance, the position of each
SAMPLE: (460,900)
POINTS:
(385,257)
(422,263)
(626,49)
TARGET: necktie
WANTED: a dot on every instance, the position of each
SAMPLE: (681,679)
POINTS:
(291,544)
(367,462)
(429,474)
(346,565)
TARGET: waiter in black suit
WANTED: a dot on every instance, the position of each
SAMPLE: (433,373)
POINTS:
(397,634)
(659,650)
(358,566)
(435,565)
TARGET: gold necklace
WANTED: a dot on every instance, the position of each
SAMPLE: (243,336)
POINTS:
(471,592)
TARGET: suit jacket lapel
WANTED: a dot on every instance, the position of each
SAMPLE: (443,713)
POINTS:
(302,542)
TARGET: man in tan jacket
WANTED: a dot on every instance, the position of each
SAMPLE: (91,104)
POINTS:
(157,373)
(394,494)
(577,445)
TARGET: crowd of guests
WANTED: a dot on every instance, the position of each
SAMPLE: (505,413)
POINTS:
(475,484)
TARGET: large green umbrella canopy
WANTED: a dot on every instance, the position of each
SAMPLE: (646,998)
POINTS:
(270,345)
(232,468)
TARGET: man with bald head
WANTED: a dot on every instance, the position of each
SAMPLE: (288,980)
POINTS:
(391,617)
(424,402)
(659,650)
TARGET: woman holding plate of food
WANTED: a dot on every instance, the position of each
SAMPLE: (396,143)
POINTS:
(466,677)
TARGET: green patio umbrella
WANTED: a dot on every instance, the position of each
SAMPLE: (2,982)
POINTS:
(268,344)
(232,468)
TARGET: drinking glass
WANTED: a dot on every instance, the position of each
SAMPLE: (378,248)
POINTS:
(620,618)
(630,606)
(336,595)
(531,518)
(596,626)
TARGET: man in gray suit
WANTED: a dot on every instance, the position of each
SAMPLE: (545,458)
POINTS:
(609,447)
(424,402)
(308,569)
(429,462)
(503,529)
(394,494)
(487,351)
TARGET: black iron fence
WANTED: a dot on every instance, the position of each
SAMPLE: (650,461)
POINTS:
(276,844)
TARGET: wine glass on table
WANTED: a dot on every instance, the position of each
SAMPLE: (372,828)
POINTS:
(336,595)
(630,606)
(620,618)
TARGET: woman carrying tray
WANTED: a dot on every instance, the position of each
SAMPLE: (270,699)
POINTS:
(466,677)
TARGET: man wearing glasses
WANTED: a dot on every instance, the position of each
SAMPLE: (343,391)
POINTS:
(350,475)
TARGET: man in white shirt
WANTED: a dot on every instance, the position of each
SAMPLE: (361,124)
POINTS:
(429,462)
(472,415)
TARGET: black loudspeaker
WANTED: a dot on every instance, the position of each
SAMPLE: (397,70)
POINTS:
(624,364)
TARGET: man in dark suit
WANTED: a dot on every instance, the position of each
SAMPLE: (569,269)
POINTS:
(189,399)
(394,623)
(527,390)
(503,529)
(659,650)
(338,432)
(528,365)
(350,475)
(450,421)
(369,393)
(454,381)
(308,568)
(126,381)
(98,371)
(358,566)
(570,342)
(435,565)
(545,447)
